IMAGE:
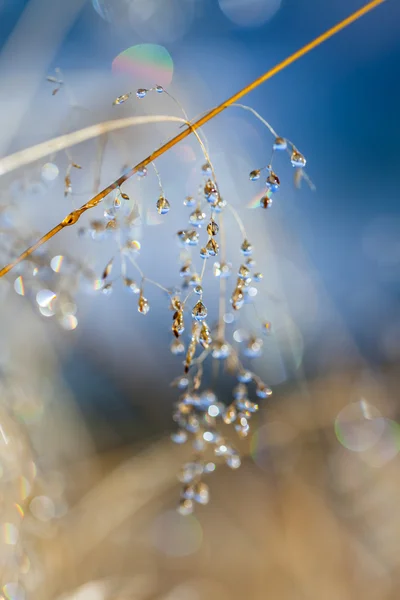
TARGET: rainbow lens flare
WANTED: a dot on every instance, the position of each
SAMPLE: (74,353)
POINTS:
(146,64)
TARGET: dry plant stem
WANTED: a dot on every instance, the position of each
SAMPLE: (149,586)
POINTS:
(73,217)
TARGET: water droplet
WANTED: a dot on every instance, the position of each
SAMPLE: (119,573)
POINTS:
(179,437)
(263,391)
(121,99)
(163,205)
(198,290)
(212,228)
(202,493)
(189,201)
(222,269)
(258,277)
(141,92)
(280,143)
(107,269)
(265,201)
(177,347)
(107,289)
(267,326)
(131,285)
(254,175)
(245,376)
(219,205)
(186,506)
(199,311)
(297,159)
(159,89)
(204,253)
(142,172)
(212,247)
(273,182)
(243,272)
(221,350)
(230,414)
(233,461)
(197,217)
(206,168)
(143,305)
(246,248)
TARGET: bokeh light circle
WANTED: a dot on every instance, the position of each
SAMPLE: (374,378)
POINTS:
(359,426)
(249,13)
(146,65)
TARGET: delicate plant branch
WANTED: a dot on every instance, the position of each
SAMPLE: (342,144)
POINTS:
(9,163)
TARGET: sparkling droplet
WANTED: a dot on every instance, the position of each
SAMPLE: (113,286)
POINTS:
(280,143)
(163,205)
(204,253)
(142,172)
(222,269)
(246,248)
(189,201)
(131,285)
(263,391)
(230,414)
(245,376)
(121,99)
(212,247)
(212,228)
(177,347)
(243,272)
(297,159)
(206,168)
(186,506)
(107,269)
(219,205)
(199,311)
(107,289)
(141,92)
(159,89)
(265,201)
(197,217)
(179,437)
(233,461)
(143,305)
(253,348)
(254,175)
(198,290)
(194,280)
(221,350)
(210,191)
(258,277)
(202,493)
(273,182)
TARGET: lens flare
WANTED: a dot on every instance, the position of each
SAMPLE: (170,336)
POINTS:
(146,64)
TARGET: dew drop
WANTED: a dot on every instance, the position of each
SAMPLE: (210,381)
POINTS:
(297,159)
(265,201)
(163,205)
(254,175)
(159,89)
(189,201)
(199,312)
(141,92)
(280,143)
(212,228)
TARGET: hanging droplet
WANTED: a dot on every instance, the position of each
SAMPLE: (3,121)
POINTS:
(297,159)
(189,201)
(194,280)
(198,290)
(142,172)
(206,168)
(107,289)
(263,391)
(212,247)
(258,277)
(212,228)
(223,270)
(250,262)
(177,347)
(163,205)
(204,253)
(233,461)
(254,175)
(202,493)
(246,248)
(131,285)
(159,89)
(141,92)
(280,143)
(219,205)
(179,437)
(265,201)
(185,507)
(253,348)
(109,213)
(221,350)
(107,269)
(184,271)
(243,272)
(197,217)
(117,201)
(205,336)
(210,192)
(273,182)
(230,414)
(143,305)
(121,99)
(245,376)
(199,311)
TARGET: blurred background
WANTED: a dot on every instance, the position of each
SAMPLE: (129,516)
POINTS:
(87,469)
